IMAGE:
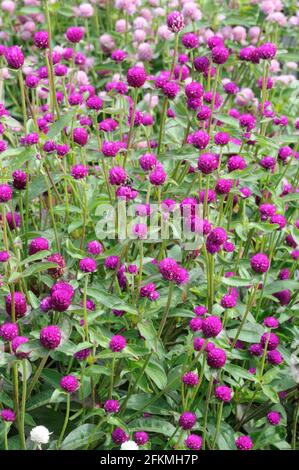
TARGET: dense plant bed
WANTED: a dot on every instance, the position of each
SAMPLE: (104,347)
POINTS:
(149,182)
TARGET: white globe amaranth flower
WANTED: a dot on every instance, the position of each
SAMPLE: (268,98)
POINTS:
(40,435)
(129,445)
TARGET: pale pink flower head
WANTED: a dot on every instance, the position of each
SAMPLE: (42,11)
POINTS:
(164,33)
(85,10)
(139,35)
(254,33)
(8,6)
(191,11)
(239,34)
(107,43)
(120,26)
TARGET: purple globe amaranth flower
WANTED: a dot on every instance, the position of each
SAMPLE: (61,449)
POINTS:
(201,64)
(64,286)
(57,271)
(279,220)
(195,324)
(69,383)
(228,301)
(158,176)
(200,310)
(266,211)
(200,139)
(112,406)
(75,99)
(187,420)
(141,437)
(80,136)
(217,236)
(193,442)
(136,76)
(5,193)
(274,418)
(41,39)
(16,343)
(13,220)
(74,34)
(83,354)
(175,21)
(94,248)
(60,300)
(223,393)
(110,149)
(267,51)
(88,265)
(38,244)
(207,163)
(94,102)
(117,175)
(256,350)
(236,162)
(111,262)
(260,263)
(190,40)
(62,149)
(231,88)
(170,89)
(46,304)
(19,179)
(194,90)
(117,343)
(223,186)
(118,55)
(190,379)
(284,153)
(149,291)
(219,54)
(4,256)
(119,436)
(271,322)
(244,443)
(14,57)
(271,339)
(168,267)
(221,138)
(211,326)
(274,357)
(248,121)
(216,358)
(50,337)
(7,415)
(20,305)
(8,331)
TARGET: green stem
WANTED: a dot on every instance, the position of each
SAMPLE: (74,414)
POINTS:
(218,425)
(37,374)
(112,377)
(66,419)
(23,405)
(166,311)
(205,418)
(85,308)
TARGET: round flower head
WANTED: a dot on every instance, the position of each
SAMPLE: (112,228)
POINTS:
(94,102)
(117,343)
(228,301)
(274,357)
(19,179)
(50,337)
(158,176)
(4,256)
(57,271)
(201,64)
(274,418)
(216,358)
(256,350)
(94,248)
(136,77)
(141,437)
(221,138)
(260,263)
(112,406)
(14,57)
(267,51)
(207,163)
(211,326)
(20,305)
(117,175)
(38,244)
(175,21)
(110,149)
(244,443)
(129,445)
(194,90)
(220,54)
(223,393)
(271,339)
(16,342)
(40,435)
(190,379)
(41,40)
(60,300)
(83,354)
(111,262)
(46,304)
(8,331)
(7,415)
(5,193)
(271,322)
(74,34)
(200,310)
(195,324)
(80,136)
(119,436)
(236,163)
(223,186)
(87,265)
(69,383)
(190,40)
(193,442)
(187,420)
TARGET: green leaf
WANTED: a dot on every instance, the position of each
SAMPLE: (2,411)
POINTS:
(157,373)
(277,286)
(238,372)
(59,125)
(159,426)
(110,300)
(81,436)
(236,282)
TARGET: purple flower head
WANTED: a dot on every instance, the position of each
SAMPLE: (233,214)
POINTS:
(200,310)
(216,358)
(231,88)
(256,350)
(190,40)
(211,326)
(223,393)
(272,339)
(94,248)
(266,211)
(83,354)
(170,89)
(221,138)
(16,342)
(20,305)
(260,263)
(274,418)
(41,40)
(220,54)
(61,300)
(223,186)
(7,415)
(38,244)
(88,265)
(175,21)
(158,176)
(274,357)
(228,301)
(199,342)
(201,64)
(267,51)
(110,149)
(117,343)
(193,442)
(19,179)
(46,304)
(190,379)
(117,175)
(207,163)
(74,34)
(141,437)
(8,331)
(112,406)
(136,77)
(244,443)
(111,262)
(14,57)
(236,162)
(119,436)
(69,383)
(5,193)
(4,256)
(187,420)
(94,102)
(50,337)
(194,90)
(195,324)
